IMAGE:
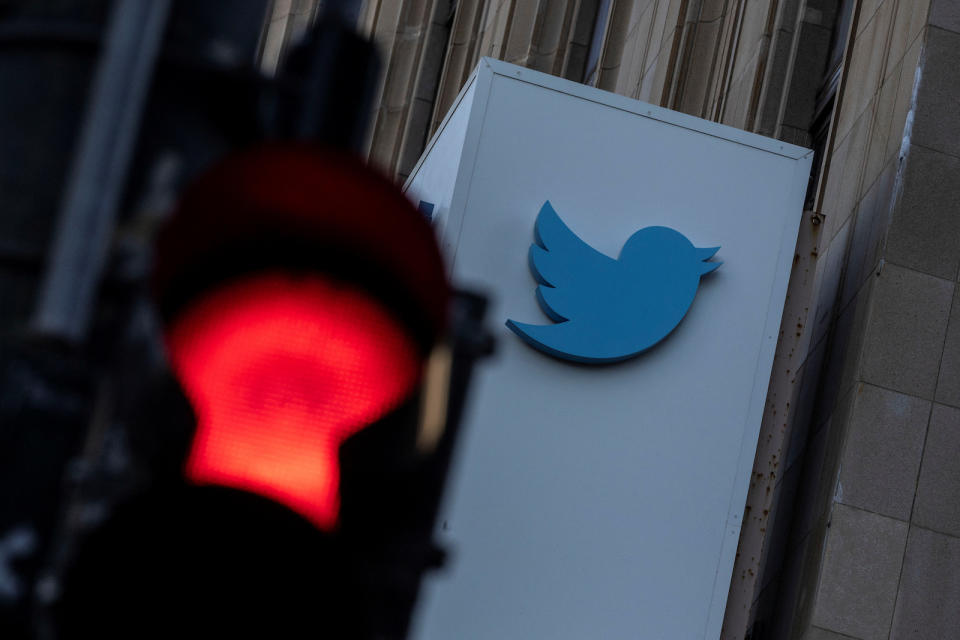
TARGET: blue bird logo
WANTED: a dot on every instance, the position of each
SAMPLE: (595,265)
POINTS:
(609,310)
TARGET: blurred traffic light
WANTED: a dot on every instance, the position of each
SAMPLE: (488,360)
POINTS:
(256,436)
(301,293)
(307,318)
(281,370)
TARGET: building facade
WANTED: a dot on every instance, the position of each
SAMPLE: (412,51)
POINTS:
(852,523)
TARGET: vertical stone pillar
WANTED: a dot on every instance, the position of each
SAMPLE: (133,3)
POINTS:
(874,547)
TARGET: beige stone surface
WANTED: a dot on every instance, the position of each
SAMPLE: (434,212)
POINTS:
(867,63)
(881,455)
(636,47)
(948,382)
(936,124)
(824,431)
(905,91)
(846,173)
(844,357)
(877,148)
(614,46)
(701,68)
(860,574)
(945,14)
(925,230)
(460,57)
(910,19)
(869,232)
(907,327)
(928,603)
(938,491)
(830,262)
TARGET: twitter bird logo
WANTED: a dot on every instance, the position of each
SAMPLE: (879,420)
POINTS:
(609,310)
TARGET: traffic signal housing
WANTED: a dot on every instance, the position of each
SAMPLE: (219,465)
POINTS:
(301,295)
(309,322)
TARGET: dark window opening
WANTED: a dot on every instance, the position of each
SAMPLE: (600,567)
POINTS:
(826,100)
(592,68)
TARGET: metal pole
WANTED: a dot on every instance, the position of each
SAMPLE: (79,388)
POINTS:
(100,165)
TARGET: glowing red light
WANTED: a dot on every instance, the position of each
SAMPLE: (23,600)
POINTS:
(280,371)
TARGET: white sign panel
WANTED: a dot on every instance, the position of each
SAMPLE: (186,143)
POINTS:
(592,499)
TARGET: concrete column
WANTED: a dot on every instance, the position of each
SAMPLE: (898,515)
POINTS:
(873,550)
(461,56)
(412,36)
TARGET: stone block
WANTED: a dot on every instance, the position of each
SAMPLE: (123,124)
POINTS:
(518,32)
(860,573)
(415,136)
(938,491)
(778,61)
(659,30)
(832,177)
(827,281)
(928,604)
(877,154)
(945,14)
(908,23)
(867,59)
(818,482)
(638,42)
(907,326)
(694,97)
(847,167)
(551,30)
(907,73)
(816,633)
(737,101)
(948,384)
(659,80)
(645,90)
(868,11)
(431,62)
(869,231)
(844,353)
(935,123)
(881,457)
(925,231)
(755,17)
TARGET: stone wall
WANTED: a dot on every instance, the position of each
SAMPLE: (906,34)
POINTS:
(851,525)
(873,550)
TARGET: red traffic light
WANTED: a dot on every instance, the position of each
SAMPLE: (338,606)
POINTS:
(280,370)
(301,292)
